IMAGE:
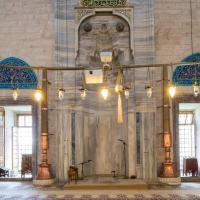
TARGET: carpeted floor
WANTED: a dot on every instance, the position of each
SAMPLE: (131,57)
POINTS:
(100,197)
(26,191)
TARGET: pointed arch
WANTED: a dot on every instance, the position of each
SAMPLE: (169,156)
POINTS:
(184,75)
(16,78)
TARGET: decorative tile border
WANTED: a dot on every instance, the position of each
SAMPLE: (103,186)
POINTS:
(186,75)
(16,78)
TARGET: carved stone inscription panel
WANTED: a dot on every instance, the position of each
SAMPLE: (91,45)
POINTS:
(104,32)
(103,3)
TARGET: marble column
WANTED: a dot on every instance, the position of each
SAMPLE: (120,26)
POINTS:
(149,157)
(63,159)
(79,140)
(132,152)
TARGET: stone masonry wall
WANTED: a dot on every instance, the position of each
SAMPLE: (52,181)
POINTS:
(65,18)
(173,43)
(27,32)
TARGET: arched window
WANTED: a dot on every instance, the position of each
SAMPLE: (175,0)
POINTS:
(186,75)
(16,78)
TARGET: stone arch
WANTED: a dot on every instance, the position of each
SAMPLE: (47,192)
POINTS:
(184,75)
(82,14)
(104,35)
(16,78)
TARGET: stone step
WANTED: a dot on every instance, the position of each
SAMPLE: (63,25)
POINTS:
(190,179)
(15,179)
(123,184)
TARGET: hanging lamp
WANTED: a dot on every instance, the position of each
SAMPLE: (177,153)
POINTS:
(149,87)
(61,94)
(38,95)
(61,90)
(15,94)
(172,86)
(127,92)
(83,93)
(149,91)
(104,92)
(172,90)
(119,90)
(196,88)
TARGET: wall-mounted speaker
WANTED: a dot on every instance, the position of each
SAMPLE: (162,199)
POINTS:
(93,76)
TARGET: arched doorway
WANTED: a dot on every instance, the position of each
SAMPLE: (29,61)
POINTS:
(18,119)
(187,112)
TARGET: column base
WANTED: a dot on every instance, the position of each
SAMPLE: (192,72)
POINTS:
(170,181)
(168,170)
(44,172)
(43,182)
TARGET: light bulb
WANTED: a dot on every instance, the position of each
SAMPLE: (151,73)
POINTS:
(172,91)
(83,93)
(15,94)
(38,95)
(61,94)
(149,91)
(104,93)
(196,89)
(127,92)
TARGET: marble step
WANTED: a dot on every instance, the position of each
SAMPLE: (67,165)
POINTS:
(128,184)
(191,179)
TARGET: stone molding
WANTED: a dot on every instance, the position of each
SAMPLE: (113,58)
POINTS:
(170,181)
(43,182)
(125,12)
(84,13)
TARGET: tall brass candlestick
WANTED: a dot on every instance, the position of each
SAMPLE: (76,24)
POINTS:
(168,166)
(44,168)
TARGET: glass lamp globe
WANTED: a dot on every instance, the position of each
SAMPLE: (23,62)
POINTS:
(38,95)
(149,91)
(15,94)
(172,91)
(83,93)
(61,94)
(104,93)
(196,89)
(126,92)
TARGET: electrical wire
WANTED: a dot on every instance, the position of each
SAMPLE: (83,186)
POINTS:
(191,28)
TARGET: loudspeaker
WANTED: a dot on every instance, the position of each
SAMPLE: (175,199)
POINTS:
(93,76)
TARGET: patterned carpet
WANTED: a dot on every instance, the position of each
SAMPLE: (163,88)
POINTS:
(100,197)
(26,191)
